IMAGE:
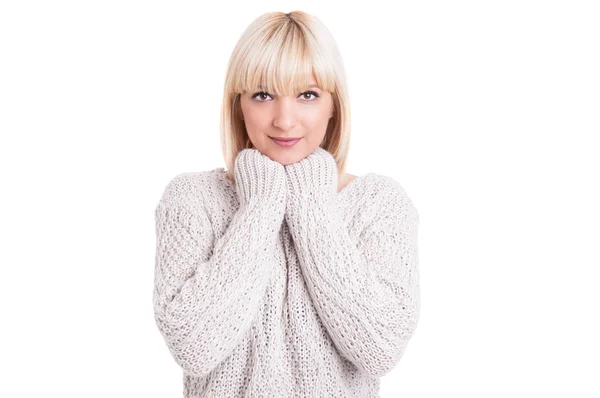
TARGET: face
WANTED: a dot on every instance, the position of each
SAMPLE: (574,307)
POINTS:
(304,116)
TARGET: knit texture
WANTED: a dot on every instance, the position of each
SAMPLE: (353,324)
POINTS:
(277,285)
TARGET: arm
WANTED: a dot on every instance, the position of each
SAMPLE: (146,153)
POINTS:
(207,292)
(366,294)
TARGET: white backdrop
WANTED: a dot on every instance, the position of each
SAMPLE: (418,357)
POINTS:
(487,113)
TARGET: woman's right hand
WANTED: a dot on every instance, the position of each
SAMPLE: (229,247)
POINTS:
(258,177)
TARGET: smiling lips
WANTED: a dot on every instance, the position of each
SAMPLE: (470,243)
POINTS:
(286,142)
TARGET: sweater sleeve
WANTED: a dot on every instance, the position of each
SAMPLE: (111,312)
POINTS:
(207,291)
(366,293)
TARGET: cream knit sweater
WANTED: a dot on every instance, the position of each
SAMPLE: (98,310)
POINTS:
(279,286)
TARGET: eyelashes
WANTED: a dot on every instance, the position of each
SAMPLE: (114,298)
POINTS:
(261,93)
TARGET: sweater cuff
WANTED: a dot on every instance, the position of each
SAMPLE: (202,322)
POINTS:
(314,177)
(259,179)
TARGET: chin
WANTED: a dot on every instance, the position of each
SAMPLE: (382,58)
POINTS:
(284,160)
(286,156)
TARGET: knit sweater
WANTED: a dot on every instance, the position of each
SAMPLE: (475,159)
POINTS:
(277,285)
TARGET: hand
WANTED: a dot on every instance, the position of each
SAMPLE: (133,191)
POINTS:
(314,177)
(258,177)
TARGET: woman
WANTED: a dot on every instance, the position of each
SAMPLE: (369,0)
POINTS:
(283,275)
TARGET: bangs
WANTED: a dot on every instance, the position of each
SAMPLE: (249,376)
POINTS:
(281,62)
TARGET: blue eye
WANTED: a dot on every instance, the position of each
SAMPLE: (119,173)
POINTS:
(263,93)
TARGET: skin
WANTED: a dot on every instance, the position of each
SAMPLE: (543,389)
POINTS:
(305,116)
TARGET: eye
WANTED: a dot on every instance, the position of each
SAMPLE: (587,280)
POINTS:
(311,93)
(261,95)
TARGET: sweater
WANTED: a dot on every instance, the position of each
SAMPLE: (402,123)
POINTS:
(277,285)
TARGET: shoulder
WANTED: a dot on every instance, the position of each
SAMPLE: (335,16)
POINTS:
(390,195)
(189,189)
(345,180)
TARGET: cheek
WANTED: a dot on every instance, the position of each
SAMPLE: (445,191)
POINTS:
(318,117)
(256,122)
(316,125)
(254,118)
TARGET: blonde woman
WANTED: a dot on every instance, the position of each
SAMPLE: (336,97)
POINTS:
(283,275)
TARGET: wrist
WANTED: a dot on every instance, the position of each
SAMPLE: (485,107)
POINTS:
(314,176)
(258,178)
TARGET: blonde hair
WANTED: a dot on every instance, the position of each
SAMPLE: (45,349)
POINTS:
(280,52)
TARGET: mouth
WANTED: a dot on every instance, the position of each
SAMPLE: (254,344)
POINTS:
(285,139)
(285,142)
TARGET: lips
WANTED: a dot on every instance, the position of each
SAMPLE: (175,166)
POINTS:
(286,142)
(285,139)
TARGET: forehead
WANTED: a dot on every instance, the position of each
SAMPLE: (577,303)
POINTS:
(264,87)
(284,79)
(296,83)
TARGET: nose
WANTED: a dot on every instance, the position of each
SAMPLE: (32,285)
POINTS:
(285,113)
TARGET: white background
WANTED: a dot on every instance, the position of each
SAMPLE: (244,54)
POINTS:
(487,112)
